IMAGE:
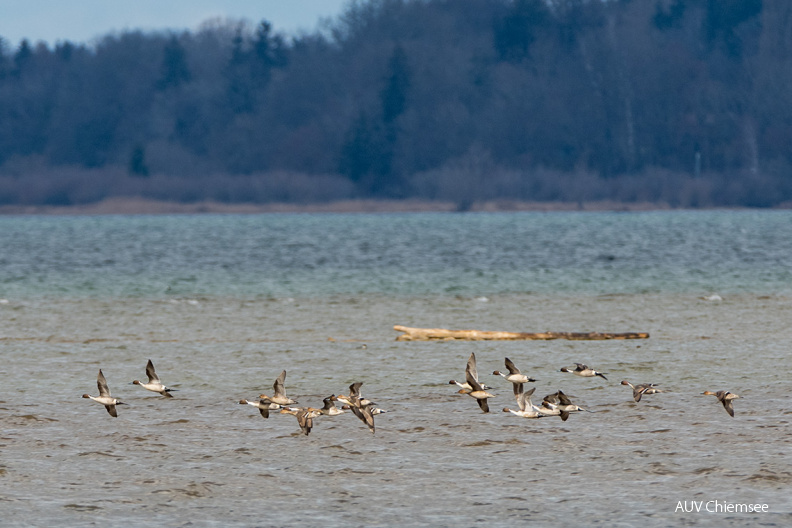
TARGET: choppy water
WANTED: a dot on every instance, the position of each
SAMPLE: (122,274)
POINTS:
(223,303)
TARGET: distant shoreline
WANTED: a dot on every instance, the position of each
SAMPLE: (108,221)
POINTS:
(139,206)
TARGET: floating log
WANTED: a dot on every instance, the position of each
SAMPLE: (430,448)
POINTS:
(428,334)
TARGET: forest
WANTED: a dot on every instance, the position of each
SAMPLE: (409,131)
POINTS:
(680,102)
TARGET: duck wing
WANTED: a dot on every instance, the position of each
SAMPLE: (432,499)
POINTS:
(365,415)
(563,398)
(551,398)
(305,421)
(471,365)
(727,404)
(512,368)
(101,384)
(472,381)
(354,390)
(152,376)
(328,403)
(519,395)
(524,399)
(368,417)
(279,386)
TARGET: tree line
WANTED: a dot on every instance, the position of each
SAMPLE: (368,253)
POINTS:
(677,101)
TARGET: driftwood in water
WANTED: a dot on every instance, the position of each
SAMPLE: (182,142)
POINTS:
(428,334)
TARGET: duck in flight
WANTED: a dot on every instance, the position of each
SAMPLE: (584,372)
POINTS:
(330,408)
(360,407)
(526,408)
(584,371)
(154,384)
(104,396)
(477,391)
(263,406)
(516,377)
(725,397)
(305,416)
(562,401)
(471,367)
(279,392)
(643,388)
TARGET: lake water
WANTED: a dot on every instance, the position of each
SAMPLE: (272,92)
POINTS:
(223,303)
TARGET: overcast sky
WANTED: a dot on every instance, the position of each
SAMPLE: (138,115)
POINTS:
(83,20)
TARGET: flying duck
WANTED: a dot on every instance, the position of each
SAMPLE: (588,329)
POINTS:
(640,390)
(279,394)
(477,391)
(305,416)
(514,376)
(725,397)
(584,371)
(104,396)
(527,409)
(360,407)
(263,406)
(471,367)
(154,384)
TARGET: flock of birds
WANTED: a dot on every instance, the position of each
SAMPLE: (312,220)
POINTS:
(555,404)
(361,407)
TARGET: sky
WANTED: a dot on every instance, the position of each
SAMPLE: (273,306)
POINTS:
(81,21)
